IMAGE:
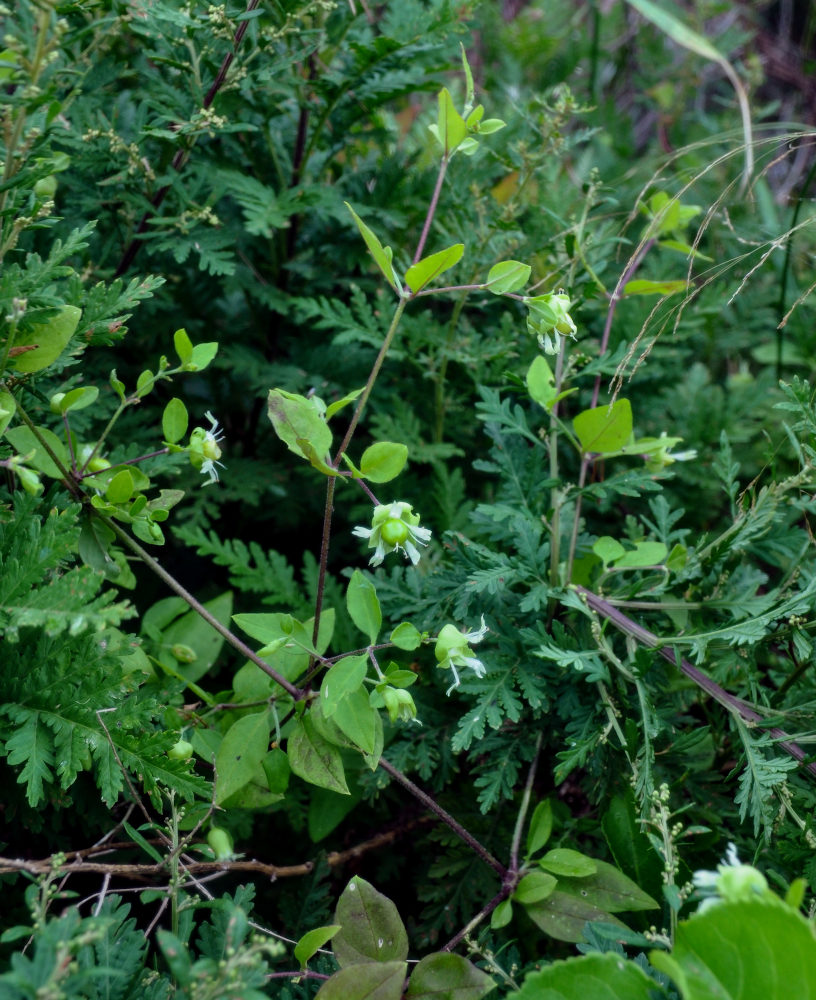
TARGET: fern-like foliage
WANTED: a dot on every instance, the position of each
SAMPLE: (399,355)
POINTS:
(68,705)
(38,586)
(761,779)
(251,569)
(69,699)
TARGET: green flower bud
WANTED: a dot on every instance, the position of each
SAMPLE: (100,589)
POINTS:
(183,654)
(182,750)
(399,703)
(29,480)
(46,187)
(220,843)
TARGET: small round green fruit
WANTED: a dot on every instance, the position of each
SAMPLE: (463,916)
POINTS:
(394,532)
(46,187)
(182,750)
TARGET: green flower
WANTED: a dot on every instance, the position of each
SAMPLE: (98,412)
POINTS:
(399,703)
(548,317)
(664,456)
(204,449)
(732,882)
(394,526)
(453,651)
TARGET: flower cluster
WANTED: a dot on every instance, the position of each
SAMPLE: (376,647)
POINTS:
(548,317)
(453,651)
(204,449)
(394,526)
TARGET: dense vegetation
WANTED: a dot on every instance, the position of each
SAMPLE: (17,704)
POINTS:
(406,549)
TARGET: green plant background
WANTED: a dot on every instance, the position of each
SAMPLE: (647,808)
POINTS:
(172,167)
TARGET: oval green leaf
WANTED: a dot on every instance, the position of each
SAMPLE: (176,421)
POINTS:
(314,759)
(445,976)
(426,270)
(563,861)
(48,340)
(644,554)
(174,421)
(241,753)
(120,488)
(372,981)
(372,928)
(383,461)
(406,636)
(604,429)
(609,889)
(541,825)
(601,977)
(341,680)
(507,276)
(313,940)
(361,723)
(535,887)
(78,399)
(563,916)
(743,951)
(363,605)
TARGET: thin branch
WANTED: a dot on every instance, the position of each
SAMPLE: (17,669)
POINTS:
(614,299)
(80,865)
(443,166)
(729,701)
(199,608)
(485,911)
(329,507)
(181,155)
(525,805)
(136,797)
(445,816)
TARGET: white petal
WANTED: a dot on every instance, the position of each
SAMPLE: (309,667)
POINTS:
(421,535)
(455,679)
(479,634)
(475,665)
(410,550)
(361,532)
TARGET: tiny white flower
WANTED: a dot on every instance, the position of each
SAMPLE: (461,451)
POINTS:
(394,526)
(205,450)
